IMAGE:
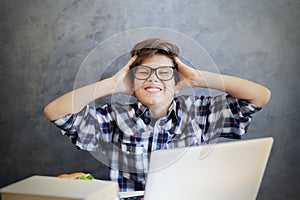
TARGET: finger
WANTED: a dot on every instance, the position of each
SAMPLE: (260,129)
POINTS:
(130,62)
(178,61)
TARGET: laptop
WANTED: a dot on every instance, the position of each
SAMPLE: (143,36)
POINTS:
(230,170)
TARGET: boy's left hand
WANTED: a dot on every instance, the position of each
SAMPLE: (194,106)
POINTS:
(189,77)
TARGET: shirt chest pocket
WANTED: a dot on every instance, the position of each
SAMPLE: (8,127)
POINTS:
(189,135)
(131,149)
(132,158)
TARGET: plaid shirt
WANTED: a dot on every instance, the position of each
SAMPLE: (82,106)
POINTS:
(123,136)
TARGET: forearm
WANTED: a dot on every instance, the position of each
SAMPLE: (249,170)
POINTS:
(236,87)
(72,102)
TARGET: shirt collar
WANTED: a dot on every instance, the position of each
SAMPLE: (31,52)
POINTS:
(172,112)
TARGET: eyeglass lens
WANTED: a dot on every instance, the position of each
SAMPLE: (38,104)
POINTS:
(162,73)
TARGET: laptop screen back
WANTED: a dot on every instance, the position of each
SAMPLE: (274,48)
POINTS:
(231,170)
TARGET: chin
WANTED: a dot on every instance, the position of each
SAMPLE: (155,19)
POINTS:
(151,102)
(154,99)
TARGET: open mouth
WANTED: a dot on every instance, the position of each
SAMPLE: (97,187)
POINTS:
(153,89)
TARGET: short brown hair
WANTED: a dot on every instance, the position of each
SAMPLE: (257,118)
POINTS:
(152,46)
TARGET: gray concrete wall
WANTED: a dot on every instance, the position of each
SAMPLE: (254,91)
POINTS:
(44,42)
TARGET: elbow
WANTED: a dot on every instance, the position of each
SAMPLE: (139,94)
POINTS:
(268,95)
(47,112)
(264,97)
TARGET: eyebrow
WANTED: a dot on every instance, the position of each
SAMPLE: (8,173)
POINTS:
(157,67)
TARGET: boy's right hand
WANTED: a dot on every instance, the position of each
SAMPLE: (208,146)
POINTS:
(121,79)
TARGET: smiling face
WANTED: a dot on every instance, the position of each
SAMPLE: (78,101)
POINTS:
(152,91)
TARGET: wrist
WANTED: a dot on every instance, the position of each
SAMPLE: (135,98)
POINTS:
(105,87)
(200,79)
(211,80)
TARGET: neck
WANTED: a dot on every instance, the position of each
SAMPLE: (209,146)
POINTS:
(159,111)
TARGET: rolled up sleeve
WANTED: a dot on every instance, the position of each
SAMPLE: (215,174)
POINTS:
(85,127)
(230,116)
(241,116)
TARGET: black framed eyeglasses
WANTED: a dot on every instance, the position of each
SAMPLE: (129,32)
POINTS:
(163,73)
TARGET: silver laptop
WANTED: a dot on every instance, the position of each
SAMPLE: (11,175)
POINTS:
(231,170)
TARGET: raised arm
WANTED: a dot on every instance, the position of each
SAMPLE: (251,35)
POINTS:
(72,102)
(236,87)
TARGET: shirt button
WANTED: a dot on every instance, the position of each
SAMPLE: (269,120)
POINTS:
(128,152)
(147,114)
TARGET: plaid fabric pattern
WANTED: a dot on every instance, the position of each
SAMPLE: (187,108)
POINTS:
(126,134)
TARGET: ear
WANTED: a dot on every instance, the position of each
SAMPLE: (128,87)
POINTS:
(133,89)
(133,94)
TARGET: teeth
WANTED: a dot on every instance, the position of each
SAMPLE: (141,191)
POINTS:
(153,89)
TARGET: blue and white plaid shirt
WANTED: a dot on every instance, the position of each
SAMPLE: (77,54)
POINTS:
(123,136)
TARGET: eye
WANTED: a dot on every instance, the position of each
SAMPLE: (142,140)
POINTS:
(164,71)
(141,70)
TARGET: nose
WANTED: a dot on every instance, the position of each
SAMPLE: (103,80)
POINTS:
(153,77)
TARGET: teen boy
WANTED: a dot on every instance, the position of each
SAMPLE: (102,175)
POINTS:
(158,119)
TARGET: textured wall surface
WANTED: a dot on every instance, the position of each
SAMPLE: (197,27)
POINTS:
(43,43)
